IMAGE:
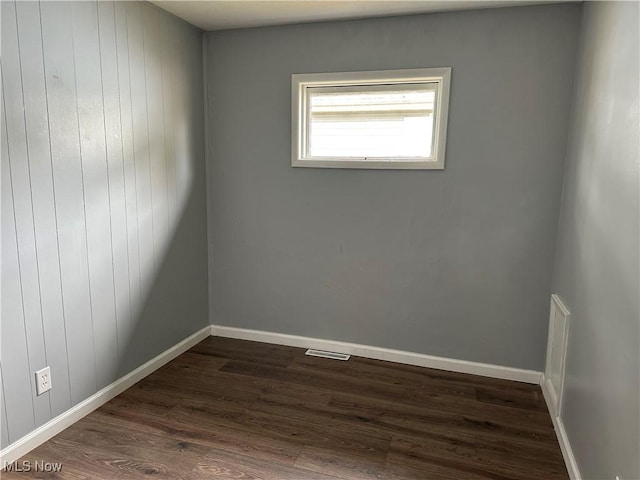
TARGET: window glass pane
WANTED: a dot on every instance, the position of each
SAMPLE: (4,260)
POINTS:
(371,121)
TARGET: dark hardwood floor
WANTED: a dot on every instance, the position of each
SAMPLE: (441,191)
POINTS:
(246,410)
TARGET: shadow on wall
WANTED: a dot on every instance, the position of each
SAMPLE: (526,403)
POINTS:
(174,304)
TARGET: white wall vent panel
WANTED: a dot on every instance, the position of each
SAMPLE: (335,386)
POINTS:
(556,353)
(325,354)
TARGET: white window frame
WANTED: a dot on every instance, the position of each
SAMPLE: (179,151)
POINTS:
(300,83)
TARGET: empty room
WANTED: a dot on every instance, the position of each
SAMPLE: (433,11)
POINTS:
(320,240)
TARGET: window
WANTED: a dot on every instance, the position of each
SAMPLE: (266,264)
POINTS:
(380,119)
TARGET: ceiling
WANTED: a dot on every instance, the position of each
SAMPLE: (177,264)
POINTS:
(226,14)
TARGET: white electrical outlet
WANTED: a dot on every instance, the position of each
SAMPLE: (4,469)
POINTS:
(43,380)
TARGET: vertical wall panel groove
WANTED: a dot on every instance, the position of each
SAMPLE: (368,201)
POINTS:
(4,432)
(129,168)
(181,136)
(157,163)
(14,348)
(115,170)
(166,46)
(68,182)
(140,139)
(37,134)
(22,204)
(55,202)
(83,189)
(110,178)
(178,119)
(96,187)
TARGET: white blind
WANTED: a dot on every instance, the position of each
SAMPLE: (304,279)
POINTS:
(370,122)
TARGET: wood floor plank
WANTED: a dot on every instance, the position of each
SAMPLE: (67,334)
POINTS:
(292,429)
(190,363)
(247,351)
(83,461)
(413,469)
(531,400)
(223,465)
(295,394)
(127,440)
(340,463)
(221,438)
(328,381)
(235,409)
(430,455)
(381,373)
(465,379)
(410,420)
(482,413)
(214,386)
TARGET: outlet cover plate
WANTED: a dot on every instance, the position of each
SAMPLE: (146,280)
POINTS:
(43,380)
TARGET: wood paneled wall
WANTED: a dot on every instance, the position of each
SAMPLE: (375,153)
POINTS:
(103,198)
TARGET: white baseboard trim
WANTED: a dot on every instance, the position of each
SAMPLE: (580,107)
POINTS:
(379,353)
(561,433)
(30,441)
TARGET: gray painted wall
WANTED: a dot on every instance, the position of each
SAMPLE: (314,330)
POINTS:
(596,270)
(456,263)
(103,198)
